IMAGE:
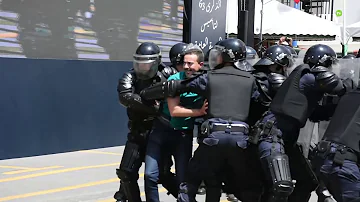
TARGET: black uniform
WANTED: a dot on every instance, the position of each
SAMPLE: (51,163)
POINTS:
(141,114)
(278,59)
(337,155)
(296,101)
(225,132)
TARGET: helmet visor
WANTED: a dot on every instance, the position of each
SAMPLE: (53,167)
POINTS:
(145,67)
(214,58)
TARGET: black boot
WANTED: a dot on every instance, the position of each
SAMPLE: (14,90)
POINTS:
(120,195)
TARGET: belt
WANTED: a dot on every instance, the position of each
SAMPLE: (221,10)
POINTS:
(350,156)
(229,127)
(341,152)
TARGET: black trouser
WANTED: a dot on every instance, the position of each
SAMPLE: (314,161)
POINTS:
(133,156)
(220,150)
(301,171)
(337,166)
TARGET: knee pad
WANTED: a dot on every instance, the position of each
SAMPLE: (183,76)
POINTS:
(279,173)
(132,159)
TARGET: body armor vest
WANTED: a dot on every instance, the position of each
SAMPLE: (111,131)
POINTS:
(263,88)
(344,127)
(229,93)
(289,102)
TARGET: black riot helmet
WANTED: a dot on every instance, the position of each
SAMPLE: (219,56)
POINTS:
(251,53)
(320,55)
(176,53)
(276,54)
(276,59)
(349,56)
(147,59)
(227,51)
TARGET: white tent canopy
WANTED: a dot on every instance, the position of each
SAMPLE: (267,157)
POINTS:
(281,19)
(353,30)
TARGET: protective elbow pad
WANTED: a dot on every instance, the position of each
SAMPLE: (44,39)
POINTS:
(327,81)
(275,81)
(162,90)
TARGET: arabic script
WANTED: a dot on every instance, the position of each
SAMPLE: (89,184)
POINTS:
(203,44)
(207,24)
(209,7)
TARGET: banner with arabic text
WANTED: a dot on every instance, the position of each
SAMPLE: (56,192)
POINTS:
(208,24)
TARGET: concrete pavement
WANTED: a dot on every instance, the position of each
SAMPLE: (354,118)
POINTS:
(72,177)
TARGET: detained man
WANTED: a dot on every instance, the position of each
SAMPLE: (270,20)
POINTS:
(174,138)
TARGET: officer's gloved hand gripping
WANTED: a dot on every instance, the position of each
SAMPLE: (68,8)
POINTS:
(166,89)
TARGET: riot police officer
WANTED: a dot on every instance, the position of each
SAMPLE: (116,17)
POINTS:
(148,69)
(337,155)
(294,103)
(175,54)
(270,73)
(223,142)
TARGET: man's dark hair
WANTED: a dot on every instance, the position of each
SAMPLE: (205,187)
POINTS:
(193,49)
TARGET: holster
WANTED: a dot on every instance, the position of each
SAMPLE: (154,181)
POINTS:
(262,130)
(197,127)
(323,149)
(205,129)
(255,133)
(342,153)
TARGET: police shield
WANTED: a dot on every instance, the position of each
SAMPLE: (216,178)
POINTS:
(305,137)
(347,68)
(244,65)
(253,60)
(295,62)
(322,128)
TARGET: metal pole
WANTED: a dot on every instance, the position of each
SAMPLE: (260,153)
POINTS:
(187,21)
(332,10)
(344,51)
(261,20)
(260,50)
